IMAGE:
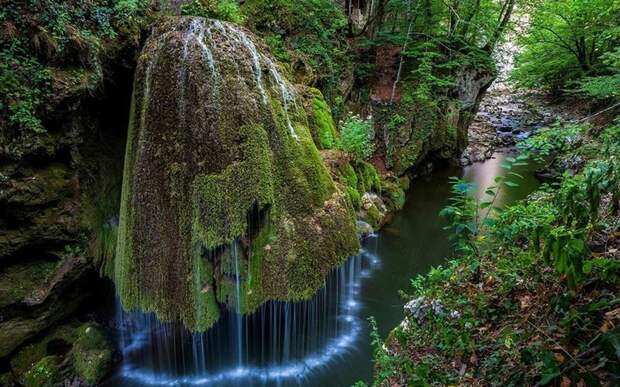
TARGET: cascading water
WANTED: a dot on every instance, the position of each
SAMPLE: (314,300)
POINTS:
(237,319)
(283,342)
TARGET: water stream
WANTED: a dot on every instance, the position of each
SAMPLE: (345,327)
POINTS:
(321,342)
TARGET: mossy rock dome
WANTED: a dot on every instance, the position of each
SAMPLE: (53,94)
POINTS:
(223,184)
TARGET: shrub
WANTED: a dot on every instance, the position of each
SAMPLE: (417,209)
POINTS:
(356,137)
(227,10)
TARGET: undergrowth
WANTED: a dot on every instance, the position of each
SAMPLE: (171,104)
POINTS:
(533,291)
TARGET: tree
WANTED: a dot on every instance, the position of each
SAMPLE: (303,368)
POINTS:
(567,40)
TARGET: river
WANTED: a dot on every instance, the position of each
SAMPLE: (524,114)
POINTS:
(325,341)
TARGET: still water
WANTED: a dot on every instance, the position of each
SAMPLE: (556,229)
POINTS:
(324,341)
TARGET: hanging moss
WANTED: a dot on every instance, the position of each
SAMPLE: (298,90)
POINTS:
(358,177)
(217,138)
(393,194)
(368,179)
(321,121)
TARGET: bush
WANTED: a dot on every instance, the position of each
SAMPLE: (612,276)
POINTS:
(227,10)
(357,136)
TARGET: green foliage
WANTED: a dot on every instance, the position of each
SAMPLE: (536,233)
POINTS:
(307,31)
(357,137)
(555,139)
(20,101)
(468,215)
(386,364)
(44,373)
(462,216)
(39,36)
(571,41)
(604,86)
(227,10)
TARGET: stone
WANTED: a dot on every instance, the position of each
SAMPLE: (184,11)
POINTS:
(419,309)
(363,229)
(43,304)
(91,354)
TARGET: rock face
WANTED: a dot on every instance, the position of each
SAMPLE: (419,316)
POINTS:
(226,202)
(414,129)
(48,208)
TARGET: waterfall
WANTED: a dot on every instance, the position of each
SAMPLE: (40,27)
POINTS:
(283,342)
(214,133)
(237,318)
(285,89)
(287,94)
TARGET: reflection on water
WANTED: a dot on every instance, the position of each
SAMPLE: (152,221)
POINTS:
(324,341)
(483,176)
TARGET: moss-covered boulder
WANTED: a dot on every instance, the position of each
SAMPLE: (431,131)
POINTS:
(224,190)
(43,373)
(37,294)
(91,354)
(72,350)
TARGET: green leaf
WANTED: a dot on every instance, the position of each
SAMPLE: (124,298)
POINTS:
(516,174)
(511,184)
(611,343)
(550,371)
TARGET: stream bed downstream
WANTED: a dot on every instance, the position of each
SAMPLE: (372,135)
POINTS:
(324,341)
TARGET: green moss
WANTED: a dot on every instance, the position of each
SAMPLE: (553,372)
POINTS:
(368,179)
(31,353)
(350,181)
(222,201)
(6,379)
(44,373)
(322,124)
(355,197)
(373,215)
(393,194)
(359,177)
(91,354)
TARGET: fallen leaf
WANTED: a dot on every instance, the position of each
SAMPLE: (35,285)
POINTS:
(473,359)
(613,314)
(565,382)
(524,302)
(605,327)
(559,357)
